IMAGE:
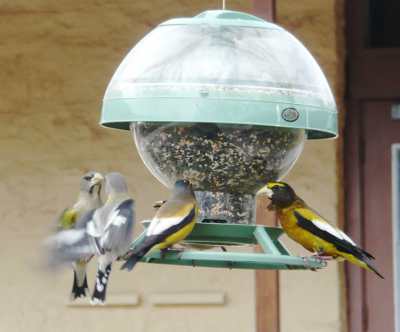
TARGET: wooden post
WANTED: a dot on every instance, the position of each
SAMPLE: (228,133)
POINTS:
(267,282)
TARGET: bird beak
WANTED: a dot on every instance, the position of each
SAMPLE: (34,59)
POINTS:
(265,191)
(96,179)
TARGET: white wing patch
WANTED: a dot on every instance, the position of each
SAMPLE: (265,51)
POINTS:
(115,219)
(158,226)
(93,226)
(92,230)
(332,230)
(347,238)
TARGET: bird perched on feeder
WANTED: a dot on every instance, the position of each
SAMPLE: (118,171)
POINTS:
(172,223)
(110,231)
(185,245)
(106,232)
(305,226)
(88,199)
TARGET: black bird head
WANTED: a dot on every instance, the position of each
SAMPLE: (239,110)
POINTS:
(280,194)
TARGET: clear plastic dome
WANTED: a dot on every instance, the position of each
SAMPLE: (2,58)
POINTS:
(226,164)
(217,57)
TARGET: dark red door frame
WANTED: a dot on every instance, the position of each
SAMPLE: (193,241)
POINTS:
(353,212)
(372,74)
(264,9)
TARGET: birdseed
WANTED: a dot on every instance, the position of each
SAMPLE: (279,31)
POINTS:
(226,164)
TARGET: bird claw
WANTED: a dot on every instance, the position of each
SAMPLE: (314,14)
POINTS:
(321,260)
(306,262)
(322,257)
(176,250)
(326,258)
(166,251)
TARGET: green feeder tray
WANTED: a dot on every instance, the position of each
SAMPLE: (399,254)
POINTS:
(273,256)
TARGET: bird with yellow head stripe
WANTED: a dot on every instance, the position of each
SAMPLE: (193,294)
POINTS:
(305,226)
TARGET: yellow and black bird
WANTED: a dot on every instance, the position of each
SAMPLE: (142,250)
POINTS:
(71,219)
(305,226)
(173,222)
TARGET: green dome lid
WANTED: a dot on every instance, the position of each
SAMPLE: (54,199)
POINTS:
(224,18)
(221,67)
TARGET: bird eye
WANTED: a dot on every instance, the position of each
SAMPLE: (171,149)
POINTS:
(88,177)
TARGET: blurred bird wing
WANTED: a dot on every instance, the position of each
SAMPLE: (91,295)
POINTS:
(170,215)
(93,224)
(315,224)
(69,246)
(89,223)
(68,237)
(117,234)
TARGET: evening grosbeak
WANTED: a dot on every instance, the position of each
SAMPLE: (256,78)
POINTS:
(110,231)
(88,199)
(173,222)
(105,232)
(305,226)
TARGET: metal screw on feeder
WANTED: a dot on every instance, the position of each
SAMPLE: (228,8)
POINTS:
(224,99)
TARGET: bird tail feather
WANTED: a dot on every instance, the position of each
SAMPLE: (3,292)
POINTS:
(363,262)
(373,269)
(135,257)
(366,253)
(138,253)
(80,286)
(131,262)
(100,288)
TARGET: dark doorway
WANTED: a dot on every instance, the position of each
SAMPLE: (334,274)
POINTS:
(372,127)
(372,299)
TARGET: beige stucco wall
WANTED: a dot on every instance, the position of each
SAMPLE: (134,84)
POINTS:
(56,58)
(55,61)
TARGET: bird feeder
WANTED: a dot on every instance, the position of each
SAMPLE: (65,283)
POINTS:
(225,100)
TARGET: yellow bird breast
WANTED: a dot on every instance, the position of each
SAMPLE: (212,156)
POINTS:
(177,236)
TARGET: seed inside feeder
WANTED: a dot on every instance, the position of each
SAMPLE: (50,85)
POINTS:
(226,164)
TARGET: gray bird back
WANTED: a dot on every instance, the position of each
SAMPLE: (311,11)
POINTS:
(118,232)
